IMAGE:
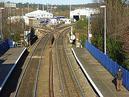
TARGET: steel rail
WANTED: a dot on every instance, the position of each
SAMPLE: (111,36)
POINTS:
(72,71)
(26,67)
(38,69)
(63,83)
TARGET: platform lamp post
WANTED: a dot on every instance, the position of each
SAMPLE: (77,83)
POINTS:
(70,16)
(28,7)
(70,9)
(105,27)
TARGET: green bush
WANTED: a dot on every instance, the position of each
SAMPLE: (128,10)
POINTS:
(83,39)
(114,48)
(81,28)
(115,51)
(97,40)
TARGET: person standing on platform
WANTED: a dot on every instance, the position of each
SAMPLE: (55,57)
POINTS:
(119,80)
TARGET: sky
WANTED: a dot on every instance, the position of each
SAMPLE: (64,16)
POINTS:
(52,1)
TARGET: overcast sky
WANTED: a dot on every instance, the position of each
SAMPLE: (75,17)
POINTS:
(52,1)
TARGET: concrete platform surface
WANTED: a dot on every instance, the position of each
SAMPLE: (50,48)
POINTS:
(100,76)
(8,62)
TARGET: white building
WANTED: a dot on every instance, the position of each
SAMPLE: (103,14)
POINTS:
(83,12)
(39,14)
(10,5)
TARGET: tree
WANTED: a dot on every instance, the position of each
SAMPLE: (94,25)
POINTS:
(117,30)
(81,28)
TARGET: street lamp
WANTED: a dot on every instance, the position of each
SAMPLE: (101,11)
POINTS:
(105,27)
(70,9)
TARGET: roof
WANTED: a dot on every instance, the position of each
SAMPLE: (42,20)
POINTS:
(39,14)
(84,11)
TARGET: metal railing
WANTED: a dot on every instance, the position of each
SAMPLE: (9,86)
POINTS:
(108,63)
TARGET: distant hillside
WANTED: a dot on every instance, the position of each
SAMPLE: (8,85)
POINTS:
(57,10)
(64,9)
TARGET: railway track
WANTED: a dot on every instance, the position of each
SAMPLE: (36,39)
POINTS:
(28,84)
(45,75)
(51,91)
(38,77)
(70,87)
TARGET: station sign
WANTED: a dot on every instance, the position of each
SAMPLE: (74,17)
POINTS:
(72,37)
(90,35)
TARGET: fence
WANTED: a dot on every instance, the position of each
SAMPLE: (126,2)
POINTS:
(108,63)
(5,45)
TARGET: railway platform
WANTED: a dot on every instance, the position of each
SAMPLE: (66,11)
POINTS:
(103,81)
(8,62)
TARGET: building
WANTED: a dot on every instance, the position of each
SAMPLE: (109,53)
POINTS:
(8,4)
(39,14)
(76,14)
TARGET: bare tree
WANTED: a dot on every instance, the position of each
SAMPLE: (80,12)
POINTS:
(117,27)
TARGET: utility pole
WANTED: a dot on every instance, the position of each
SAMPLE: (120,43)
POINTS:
(23,26)
(1,21)
(28,7)
(10,12)
(38,7)
(43,7)
(69,9)
(70,17)
(51,8)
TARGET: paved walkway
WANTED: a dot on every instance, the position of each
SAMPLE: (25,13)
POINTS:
(100,76)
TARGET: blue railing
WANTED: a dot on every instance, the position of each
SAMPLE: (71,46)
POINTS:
(108,63)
